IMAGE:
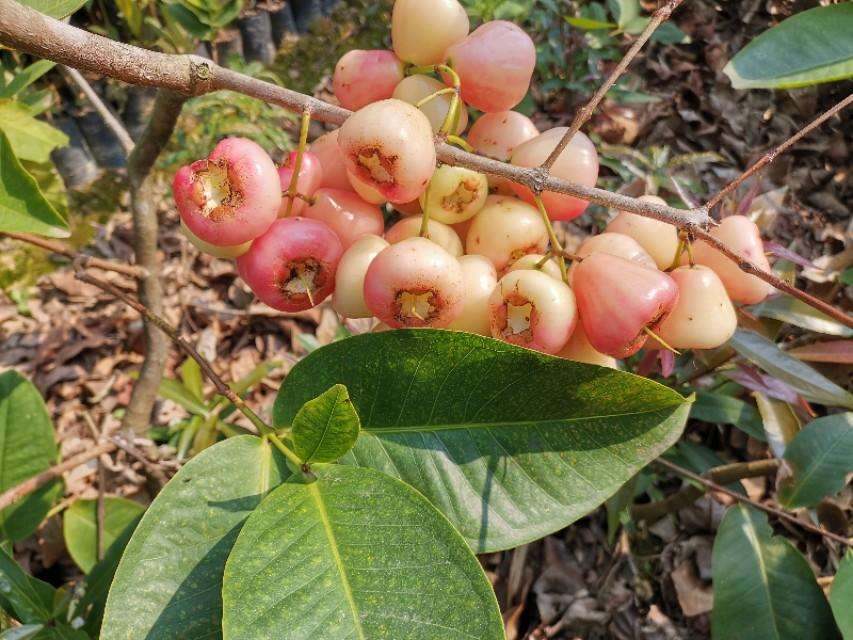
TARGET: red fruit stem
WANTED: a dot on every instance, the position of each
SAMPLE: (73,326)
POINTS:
(31,32)
(297,167)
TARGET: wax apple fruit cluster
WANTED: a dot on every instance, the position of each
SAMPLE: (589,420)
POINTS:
(469,252)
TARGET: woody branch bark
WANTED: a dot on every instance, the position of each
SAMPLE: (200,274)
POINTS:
(27,30)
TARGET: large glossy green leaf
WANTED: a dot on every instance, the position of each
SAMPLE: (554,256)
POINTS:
(356,554)
(29,598)
(764,588)
(721,409)
(325,428)
(80,526)
(803,378)
(31,138)
(808,48)
(55,8)
(796,312)
(23,207)
(27,447)
(509,444)
(841,595)
(820,456)
(167,586)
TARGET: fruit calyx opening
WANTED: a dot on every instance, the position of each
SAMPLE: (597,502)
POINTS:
(218,192)
(464,194)
(301,279)
(377,166)
(415,307)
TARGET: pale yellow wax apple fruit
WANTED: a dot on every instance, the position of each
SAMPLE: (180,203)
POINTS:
(505,230)
(413,89)
(703,317)
(455,194)
(365,191)
(423,30)
(440,233)
(227,253)
(741,235)
(531,260)
(659,239)
(480,280)
(580,350)
(348,298)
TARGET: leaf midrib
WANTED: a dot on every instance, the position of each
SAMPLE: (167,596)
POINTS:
(814,465)
(519,423)
(755,543)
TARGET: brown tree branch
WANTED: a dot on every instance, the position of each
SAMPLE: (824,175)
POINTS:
(143,207)
(726,474)
(660,16)
(103,110)
(771,155)
(32,32)
(784,515)
(79,258)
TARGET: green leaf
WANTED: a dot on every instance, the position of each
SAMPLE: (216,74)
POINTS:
(179,394)
(80,525)
(787,309)
(31,139)
(808,48)
(763,587)
(589,25)
(821,456)
(325,428)
(509,444)
(625,11)
(55,8)
(27,447)
(805,380)
(30,599)
(24,632)
(23,207)
(781,424)
(719,409)
(354,554)
(168,583)
(193,381)
(841,595)
(26,77)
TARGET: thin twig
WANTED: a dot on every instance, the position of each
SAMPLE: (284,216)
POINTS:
(103,110)
(660,16)
(153,469)
(100,510)
(725,474)
(14,494)
(80,258)
(771,155)
(784,515)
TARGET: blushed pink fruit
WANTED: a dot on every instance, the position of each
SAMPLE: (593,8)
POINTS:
(228,253)
(496,135)
(742,235)
(616,244)
(505,230)
(618,299)
(533,310)
(415,88)
(658,238)
(415,283)
(495,64)
(331,157)
(577,163)
(292,266)
(480,280)
(441,234)
(346,214)
(422,30)
(389,145)
(232,196)
(580,350)
(310,179)
(703,317)
(348,298)
(365,191)
(362,77)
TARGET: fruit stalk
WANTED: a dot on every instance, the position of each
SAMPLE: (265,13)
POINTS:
(556,247)
(297,166)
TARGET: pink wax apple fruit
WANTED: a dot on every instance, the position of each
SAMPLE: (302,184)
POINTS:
(348,298)
(346,214)
(331,157)
(497,134)
(232,196)
(658,238)
(309,180)
(415,283)
(389,145)
(741,235)
(362,77)
(505,230)
(577,163)
(422,30)
(533,310)
(615,244)
(495,65)
(292,266)
(618,300)
(226,253)
(441,234)
(480,279)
